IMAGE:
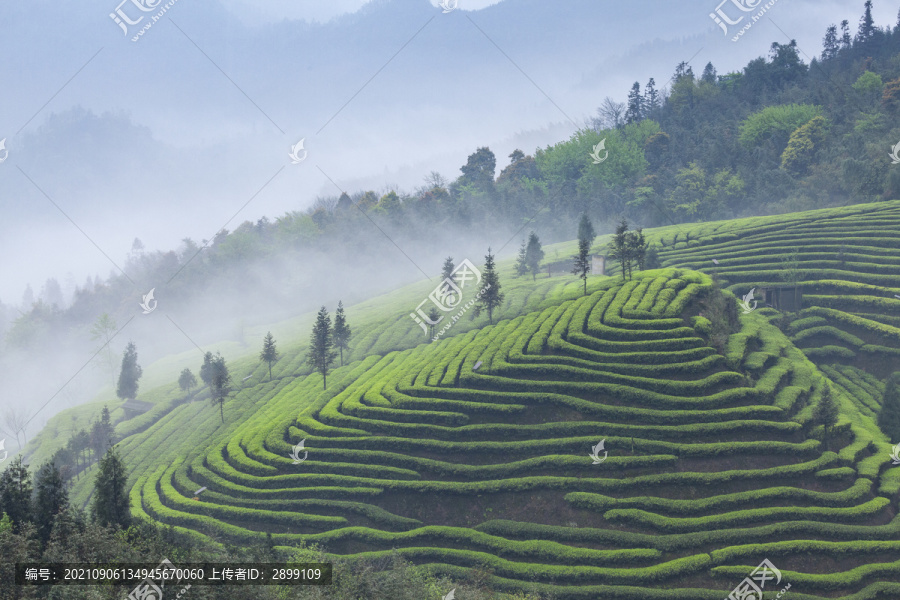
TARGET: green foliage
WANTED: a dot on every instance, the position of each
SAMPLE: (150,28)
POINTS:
(869,85)
(187,381)
(775,124)
(15,493)
(700,195)
(803,144)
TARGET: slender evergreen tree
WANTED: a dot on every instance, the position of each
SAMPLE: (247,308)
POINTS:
(269,352)
(342,332)
(111,505)
(635,106)
(434,316)
(447,271)
(492,296)
(826,411)
(582,262)
(866,25)
(321,346)
(220,383)
(521,264)
(130,374)
(206,370)
(651,96)
(831,44)
(534,254)
(50,498)
(618,248)
(586,230)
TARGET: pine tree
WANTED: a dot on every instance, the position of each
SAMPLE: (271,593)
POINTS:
(447,271)
(187,381)
(651,97)
(521,265)
(709,74)
(636,246)
(111,505)
(130,374)
(321,353)
(434,316)
(866,25)
(889,414)
(220,383)
(826,411)
(586,230)
(830,45)
(534,254)
(492,296)
(582,262)
(50,498)
(619,250)
(269,352)
(15,493)
(845,35)
(341,331)
(206,370)
(635,105)
(101,434)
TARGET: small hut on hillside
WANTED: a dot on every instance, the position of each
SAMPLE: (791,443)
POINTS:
(134,408)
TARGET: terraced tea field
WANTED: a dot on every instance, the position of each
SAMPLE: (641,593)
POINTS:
(710,463)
